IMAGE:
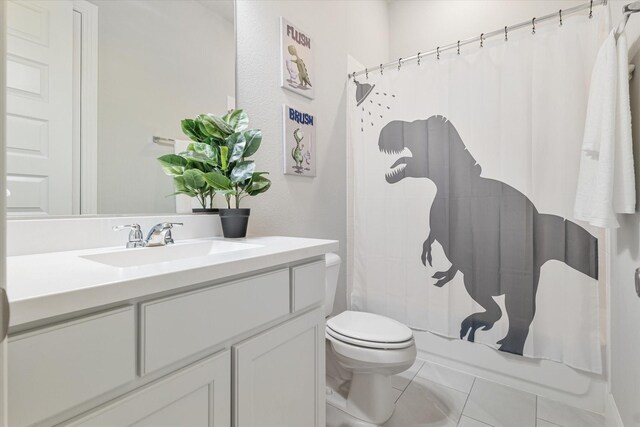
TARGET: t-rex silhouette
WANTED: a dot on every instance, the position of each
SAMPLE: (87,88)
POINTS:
(489,231)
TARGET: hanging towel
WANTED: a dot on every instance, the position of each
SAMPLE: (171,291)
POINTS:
(606,182)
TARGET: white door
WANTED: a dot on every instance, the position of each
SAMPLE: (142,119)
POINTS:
(39,107)
(4,315)
(279,378)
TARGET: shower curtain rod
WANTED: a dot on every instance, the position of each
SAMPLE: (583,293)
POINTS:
(627,10)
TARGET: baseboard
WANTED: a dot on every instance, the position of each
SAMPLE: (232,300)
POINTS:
(612,415)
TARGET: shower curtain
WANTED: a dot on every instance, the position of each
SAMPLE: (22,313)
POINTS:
(463,173)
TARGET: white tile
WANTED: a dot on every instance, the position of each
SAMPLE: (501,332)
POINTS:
(446,376)
(567,416)
(500,406)
(470,422)
(402,380)
(427,404)
(339,418)
(543,423)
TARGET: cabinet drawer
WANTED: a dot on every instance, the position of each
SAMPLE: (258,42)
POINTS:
(198,395)
(58,367)
(179,326)
(307,285)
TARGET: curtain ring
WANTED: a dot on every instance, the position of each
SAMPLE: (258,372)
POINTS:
(458,47)
(418,58)
(399,63)
(482,40)
(560,15)
(506,35)
(381,73)
(366,73)
(591,9)
(533,26)
(438,53)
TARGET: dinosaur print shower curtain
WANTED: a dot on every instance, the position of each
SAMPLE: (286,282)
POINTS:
(463,173)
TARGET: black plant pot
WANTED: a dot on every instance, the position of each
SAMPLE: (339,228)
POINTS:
(205,210)
(234,222)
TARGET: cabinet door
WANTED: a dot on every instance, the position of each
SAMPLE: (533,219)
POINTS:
(279,375)
(196,396)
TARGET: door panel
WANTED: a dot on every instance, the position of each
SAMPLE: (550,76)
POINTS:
(279,377)
(39,107)
(196,396)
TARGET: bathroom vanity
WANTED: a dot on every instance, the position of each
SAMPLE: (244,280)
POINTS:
(197,334)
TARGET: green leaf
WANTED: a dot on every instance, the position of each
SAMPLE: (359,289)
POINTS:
(236,144)
(208,127)
(199,161)
(173,164)
(178,182)
(258,184)
(190,128)
(181,188)
(172,160)
(201,147)
(237,119)
(194,179)
(201,152)
(258,187)
(224,155)
(230,192)
(242,171)
(222,126)
(253,138)
(218,181)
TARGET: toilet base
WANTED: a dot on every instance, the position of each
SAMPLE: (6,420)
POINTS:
(371,398)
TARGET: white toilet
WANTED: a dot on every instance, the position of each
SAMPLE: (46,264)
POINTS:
(370,348)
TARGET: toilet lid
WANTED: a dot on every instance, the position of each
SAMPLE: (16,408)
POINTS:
(334,336)
(369,327)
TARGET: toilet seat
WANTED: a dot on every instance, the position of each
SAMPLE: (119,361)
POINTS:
(369,330)
(369,344)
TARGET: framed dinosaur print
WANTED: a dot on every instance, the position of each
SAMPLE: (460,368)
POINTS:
(297,72)
(299,142)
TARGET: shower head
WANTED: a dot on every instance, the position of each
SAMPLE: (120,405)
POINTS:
(362,91)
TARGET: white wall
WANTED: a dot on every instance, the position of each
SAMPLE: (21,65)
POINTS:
(299,206)
(418,26)
(159,62)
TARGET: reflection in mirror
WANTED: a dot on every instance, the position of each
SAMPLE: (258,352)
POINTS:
(90,83)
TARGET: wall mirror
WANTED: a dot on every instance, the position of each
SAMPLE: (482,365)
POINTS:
(90,83)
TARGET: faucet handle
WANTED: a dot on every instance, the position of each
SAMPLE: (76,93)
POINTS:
(172,224)
(169,237)
(126,227)
(135,235)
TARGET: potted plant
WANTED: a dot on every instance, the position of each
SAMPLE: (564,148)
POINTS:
(188,168)
(234,175)
(216,163)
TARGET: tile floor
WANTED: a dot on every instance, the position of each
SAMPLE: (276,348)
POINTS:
(433,395)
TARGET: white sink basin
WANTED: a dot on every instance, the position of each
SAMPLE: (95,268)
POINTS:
(135,257)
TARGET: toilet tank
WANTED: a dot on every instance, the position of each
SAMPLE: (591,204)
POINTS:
(333,269)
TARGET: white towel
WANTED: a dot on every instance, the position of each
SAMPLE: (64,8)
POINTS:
(606,183)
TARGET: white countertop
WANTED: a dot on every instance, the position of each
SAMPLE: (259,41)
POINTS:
(52,284)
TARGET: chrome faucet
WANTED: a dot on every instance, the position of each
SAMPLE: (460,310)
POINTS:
(135,235)
(160,234)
